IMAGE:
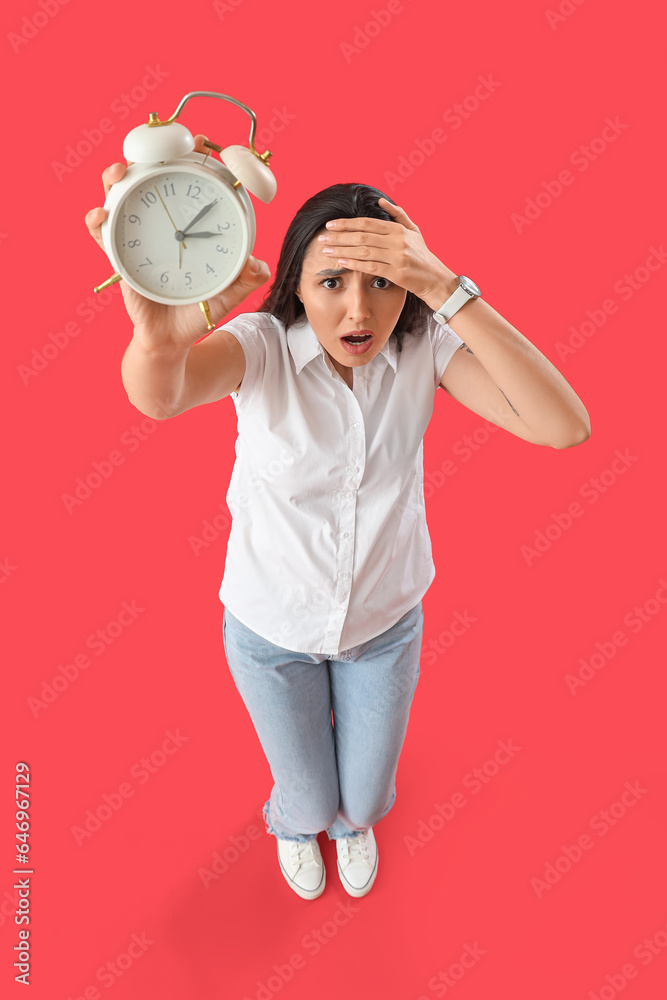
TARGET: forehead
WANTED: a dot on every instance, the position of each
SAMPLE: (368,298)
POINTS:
(316,264)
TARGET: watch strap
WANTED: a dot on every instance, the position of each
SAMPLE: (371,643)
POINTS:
(453,304)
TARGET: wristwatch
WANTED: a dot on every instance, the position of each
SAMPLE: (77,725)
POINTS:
(466,292)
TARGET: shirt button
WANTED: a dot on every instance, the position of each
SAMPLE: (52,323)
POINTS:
(341,607)
(348,496)
(346,535)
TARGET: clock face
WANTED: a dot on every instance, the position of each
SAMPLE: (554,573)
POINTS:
(180,235)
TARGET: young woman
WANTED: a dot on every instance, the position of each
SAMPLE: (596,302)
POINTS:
(333,381)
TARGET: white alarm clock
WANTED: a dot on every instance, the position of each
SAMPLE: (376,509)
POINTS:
(180,224)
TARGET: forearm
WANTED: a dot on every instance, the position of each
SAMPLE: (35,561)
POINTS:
(154,377)
(532,385)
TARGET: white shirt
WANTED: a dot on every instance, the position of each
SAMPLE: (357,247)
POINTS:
(329,545)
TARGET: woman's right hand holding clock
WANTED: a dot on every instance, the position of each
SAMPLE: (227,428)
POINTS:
(158,325)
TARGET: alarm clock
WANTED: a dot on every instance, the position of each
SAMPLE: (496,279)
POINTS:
(180,224)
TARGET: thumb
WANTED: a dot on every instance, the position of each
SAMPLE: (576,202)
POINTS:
(255,272)
(256,266)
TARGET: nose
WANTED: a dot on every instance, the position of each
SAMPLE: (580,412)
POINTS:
(357,300)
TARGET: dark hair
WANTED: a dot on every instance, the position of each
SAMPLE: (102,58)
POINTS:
(339,201)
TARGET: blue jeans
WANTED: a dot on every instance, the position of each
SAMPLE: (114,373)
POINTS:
(341,777)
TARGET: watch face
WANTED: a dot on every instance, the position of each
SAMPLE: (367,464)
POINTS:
(180,234)
(469,285)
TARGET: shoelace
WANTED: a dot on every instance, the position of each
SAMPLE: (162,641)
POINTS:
(356,849)
(301,855)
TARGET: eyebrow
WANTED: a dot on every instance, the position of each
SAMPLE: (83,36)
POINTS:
(332,272)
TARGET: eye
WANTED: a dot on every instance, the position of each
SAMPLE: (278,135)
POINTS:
(387,283)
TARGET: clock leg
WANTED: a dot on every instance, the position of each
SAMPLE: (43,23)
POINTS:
(105,284)
(207,313)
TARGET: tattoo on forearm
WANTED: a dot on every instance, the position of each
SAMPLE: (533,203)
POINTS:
(470,352)
(516,411)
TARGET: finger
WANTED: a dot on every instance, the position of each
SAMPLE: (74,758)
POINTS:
(373,257)
(374,241)
(94,220)
(362,224)
(199,144)
(112,175)
(378,268)
(397,213)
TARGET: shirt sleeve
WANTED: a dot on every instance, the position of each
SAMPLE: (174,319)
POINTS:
(248,331)
(445,344)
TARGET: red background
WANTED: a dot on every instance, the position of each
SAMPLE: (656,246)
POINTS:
(353,104)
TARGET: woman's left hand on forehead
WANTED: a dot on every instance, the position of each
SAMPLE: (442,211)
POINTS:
(393,250)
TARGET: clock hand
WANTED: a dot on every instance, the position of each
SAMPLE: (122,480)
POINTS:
(192,236)
(200,215)
(166,209)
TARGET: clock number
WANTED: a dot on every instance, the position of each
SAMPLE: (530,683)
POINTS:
(135,218)
(221,229)
(197,189)
(164,277)
(165,188)
(188,278)
(134,243)
(209,269)
(148,261)
(148,199)
(221,249)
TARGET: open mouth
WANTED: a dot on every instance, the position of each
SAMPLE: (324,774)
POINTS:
(360,339)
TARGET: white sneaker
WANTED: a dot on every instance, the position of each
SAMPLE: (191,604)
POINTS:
(357,862)
(301,864)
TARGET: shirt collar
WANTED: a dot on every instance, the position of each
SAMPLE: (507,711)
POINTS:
(304,345)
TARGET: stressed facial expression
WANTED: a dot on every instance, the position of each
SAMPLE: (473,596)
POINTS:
(351,312)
